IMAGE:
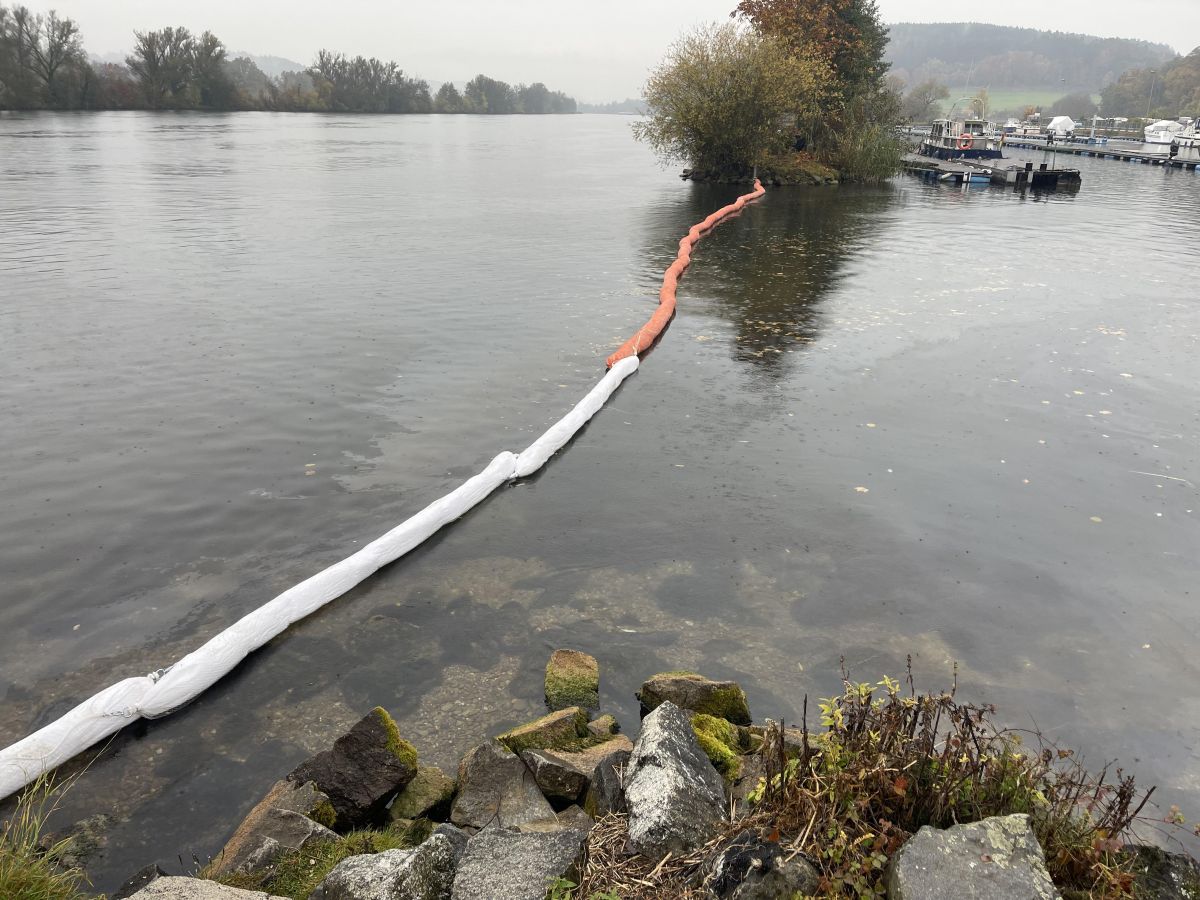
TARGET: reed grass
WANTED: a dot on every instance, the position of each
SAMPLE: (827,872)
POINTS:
(32,867)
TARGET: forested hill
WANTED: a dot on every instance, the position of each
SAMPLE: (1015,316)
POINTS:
(999,56)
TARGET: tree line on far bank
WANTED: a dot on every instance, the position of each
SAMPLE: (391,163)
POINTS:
(43,66)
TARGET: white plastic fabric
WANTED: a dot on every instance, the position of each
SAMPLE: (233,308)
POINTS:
(556,436)
(167,690)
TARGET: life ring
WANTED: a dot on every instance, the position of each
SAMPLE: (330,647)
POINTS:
(966,141)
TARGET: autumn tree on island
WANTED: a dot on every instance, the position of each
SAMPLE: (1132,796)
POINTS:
(724,98)
(785,74)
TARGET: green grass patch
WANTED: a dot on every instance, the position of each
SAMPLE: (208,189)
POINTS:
(29,870)
(1012,101)
(297,873)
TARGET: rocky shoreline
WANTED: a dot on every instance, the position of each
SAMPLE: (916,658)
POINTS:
(563,803)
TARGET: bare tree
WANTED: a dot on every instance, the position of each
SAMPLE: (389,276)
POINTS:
(162,61)
(44,49)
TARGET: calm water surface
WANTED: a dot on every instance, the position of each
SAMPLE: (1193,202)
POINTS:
(897,420)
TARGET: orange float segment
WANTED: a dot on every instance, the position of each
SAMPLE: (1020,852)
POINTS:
(648,333)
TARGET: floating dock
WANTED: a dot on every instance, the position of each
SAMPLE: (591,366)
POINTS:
(1107,151)
(1018,173)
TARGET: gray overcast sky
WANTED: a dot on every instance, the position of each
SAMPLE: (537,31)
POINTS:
(595,51)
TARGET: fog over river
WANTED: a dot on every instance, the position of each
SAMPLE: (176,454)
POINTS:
(894,420)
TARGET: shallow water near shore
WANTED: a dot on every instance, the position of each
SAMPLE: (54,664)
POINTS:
(887,421)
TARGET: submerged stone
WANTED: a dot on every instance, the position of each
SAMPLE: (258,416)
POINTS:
(687,690)
(993,859)
(572,679)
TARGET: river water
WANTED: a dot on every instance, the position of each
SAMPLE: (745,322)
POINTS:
(887,421)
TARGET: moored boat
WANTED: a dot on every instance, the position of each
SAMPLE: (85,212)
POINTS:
(1168,132)
(965,138)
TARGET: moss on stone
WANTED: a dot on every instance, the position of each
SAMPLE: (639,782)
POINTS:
(396,745)
(324,814)
(296,873)
(728,703)
(718,739)
(572,679)
(565,729)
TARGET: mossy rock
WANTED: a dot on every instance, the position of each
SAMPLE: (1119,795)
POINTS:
(572,679)
(695,693)
(362,771)
(565,729)
(427,795)
(296,873)
(396,745)
(720,740)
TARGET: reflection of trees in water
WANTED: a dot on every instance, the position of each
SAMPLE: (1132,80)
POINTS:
(767,270)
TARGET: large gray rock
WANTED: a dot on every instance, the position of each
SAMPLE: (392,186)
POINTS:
(675,797)
(504,864)
(749,868)
(426,873)
(1159,875)
(687,690)
(993,859)
(495,788)
(365,768)
(176,888)
(457,837)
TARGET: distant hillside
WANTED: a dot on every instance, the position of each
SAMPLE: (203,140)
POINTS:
(999,57)
(273,66)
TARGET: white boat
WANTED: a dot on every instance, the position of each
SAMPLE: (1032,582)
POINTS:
(1187,137)
(1165,132)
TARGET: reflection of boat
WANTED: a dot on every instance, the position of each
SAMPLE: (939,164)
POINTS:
(965,138)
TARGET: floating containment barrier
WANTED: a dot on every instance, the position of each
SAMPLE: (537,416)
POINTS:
(162,692)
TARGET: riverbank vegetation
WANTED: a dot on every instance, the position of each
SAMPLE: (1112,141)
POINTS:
(33,867)
(43,65)
(885,762)
(788,82)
